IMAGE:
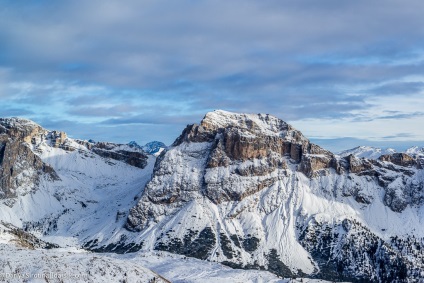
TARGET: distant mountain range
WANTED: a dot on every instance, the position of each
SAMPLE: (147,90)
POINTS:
(375,152)
(154,147)
(245,190)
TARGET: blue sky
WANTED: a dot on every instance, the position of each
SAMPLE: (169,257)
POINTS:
(345,73)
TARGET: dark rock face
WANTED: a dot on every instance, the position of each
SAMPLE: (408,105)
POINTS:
(194,133)
(226,246)
(358,165)
(358,256)
(275,265)
(401,159)
(250,243)
(19,166)
(153,147)
(195,244)
(311,165)
(136,159)
(391,172)
(58,139)
(121,247)
(26,239)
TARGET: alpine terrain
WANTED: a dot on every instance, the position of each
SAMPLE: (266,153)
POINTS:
(247,191)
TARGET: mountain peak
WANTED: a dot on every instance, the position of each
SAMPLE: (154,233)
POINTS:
(16,122)
(246,126)
(20,128)
(134,144)
(257,123)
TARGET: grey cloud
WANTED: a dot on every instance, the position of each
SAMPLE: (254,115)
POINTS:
(141,44)
(391,115)
(117,110)
(398,88)
(172,61)
(399,135)
(9,112)
(402,115)
(154,120)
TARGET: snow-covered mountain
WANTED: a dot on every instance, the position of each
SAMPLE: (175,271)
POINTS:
(245,190)
(250,191)
(154,147)
(415,151)
(57,193)
(369,152)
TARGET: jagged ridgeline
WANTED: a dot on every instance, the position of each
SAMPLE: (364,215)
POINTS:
(246,190)
(252,192)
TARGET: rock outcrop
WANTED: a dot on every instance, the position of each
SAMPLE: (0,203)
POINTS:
(132,156)
(20,168)
(400,159)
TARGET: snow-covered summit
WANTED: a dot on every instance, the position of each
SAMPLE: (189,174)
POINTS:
(153,147)
(415,151)
(371,152)
(256,123)
(16,122)
(367,152)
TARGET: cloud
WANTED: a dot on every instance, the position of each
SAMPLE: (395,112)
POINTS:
(400,135)
(153,120)
(399,88)
(402,115)
(141,44)
(15,112)
(162,63)
(114,111)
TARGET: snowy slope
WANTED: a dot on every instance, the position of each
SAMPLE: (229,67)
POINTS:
(415,151)
(73,265)
(76,265)
(91,197)
(64,265)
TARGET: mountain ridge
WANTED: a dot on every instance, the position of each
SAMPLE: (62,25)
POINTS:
(246,190)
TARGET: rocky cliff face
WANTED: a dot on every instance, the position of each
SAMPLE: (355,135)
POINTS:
(21,169)
(244,188)
(130,155)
